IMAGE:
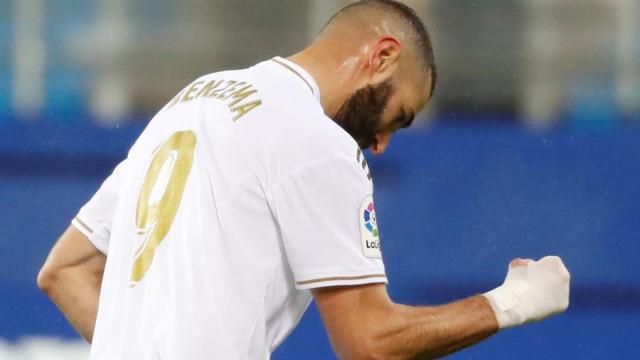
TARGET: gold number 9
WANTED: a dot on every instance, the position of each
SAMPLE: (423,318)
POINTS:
(160,197)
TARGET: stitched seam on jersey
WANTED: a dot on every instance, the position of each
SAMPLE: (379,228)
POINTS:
(295,72)
(308,165)
(85,226)
(295,325)
(264,300)
(340,278)
(270,191)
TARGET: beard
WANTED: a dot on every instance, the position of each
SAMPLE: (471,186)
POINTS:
(361,114)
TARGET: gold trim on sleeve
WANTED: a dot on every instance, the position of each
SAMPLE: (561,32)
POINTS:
(340,278)
(85,226)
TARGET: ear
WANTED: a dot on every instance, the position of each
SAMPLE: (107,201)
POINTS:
(384,59)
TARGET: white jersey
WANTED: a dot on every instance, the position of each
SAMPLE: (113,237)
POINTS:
(238,197)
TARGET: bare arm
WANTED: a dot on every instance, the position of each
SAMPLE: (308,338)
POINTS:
(71,277)
(363,323)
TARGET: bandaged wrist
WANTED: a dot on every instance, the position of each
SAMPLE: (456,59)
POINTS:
(503,301)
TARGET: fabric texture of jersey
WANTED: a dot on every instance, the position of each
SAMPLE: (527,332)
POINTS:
(238,197)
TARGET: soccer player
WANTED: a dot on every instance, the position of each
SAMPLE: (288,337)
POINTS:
(248,195)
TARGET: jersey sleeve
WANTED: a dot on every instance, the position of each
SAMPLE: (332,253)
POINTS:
(95,217)
(327,220)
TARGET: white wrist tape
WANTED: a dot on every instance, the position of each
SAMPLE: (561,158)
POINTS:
(531,292)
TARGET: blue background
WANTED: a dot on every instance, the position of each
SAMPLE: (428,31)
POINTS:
(454,205)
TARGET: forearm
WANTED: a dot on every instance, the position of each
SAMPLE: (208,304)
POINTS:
(428,332)
(363,322)
(71,277)
(76,294)
(533,290)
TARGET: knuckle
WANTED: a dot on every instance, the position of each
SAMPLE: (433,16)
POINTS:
(552,259)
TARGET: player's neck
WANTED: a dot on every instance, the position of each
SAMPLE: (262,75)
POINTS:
(326,71)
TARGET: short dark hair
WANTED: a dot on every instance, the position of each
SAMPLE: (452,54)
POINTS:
(420,31)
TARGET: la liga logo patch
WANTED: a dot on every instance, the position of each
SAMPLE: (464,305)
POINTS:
(370,221)
(369,234)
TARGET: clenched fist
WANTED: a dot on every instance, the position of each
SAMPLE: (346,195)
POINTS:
(532,291)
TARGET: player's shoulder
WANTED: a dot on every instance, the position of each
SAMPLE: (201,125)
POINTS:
(317,139)
(324,135)
(331,142)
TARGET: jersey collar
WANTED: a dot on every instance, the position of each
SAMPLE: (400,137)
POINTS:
(301,73)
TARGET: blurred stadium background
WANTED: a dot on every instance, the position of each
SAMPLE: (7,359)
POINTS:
(530,146)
